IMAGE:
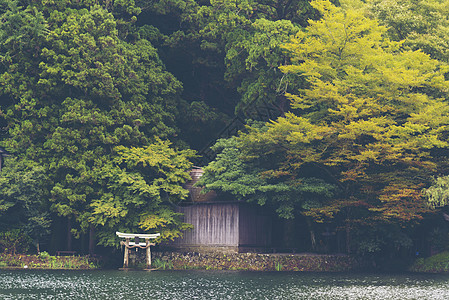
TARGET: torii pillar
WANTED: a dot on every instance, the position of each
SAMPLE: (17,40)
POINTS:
(136,244)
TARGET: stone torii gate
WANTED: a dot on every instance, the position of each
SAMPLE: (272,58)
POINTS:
(136,244)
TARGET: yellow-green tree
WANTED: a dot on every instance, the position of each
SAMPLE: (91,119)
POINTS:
(373,117)
(421,24)
(140,188)
(373,113)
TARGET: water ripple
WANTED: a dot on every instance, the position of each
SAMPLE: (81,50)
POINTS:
(208,285)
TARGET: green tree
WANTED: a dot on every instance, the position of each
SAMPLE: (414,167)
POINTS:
(226,53)
(420,24)
(372,119)
(75,87)
(143,186)
(256,177)
(438,193)
(247,36)
(23,201)
(370,105)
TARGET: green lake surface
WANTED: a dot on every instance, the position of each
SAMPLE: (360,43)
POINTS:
(184,285)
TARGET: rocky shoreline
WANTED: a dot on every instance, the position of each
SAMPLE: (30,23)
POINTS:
(255,262)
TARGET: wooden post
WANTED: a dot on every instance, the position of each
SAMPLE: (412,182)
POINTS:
(126,256)
(148,254)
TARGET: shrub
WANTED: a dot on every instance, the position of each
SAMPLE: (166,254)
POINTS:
(44,255)
(14,241)
(438,263)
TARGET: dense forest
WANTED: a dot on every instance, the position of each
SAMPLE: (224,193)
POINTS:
(332,114)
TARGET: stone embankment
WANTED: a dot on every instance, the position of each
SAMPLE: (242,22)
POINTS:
(255,261)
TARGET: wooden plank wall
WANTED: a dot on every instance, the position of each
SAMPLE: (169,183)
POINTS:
(255,227)
(214,224)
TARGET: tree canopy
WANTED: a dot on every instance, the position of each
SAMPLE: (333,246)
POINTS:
(76,84)
(344,102)
(371,124)
(419,24)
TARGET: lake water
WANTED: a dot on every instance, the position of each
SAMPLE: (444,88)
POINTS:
(185,285)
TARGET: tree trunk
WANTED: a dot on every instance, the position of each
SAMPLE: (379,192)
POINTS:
(91,240)
(348,237)
(312,235)
(69,234)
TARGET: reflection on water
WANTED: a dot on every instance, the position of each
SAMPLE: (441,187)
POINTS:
(28,284)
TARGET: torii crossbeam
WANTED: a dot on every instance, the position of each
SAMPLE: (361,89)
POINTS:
(136,244)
